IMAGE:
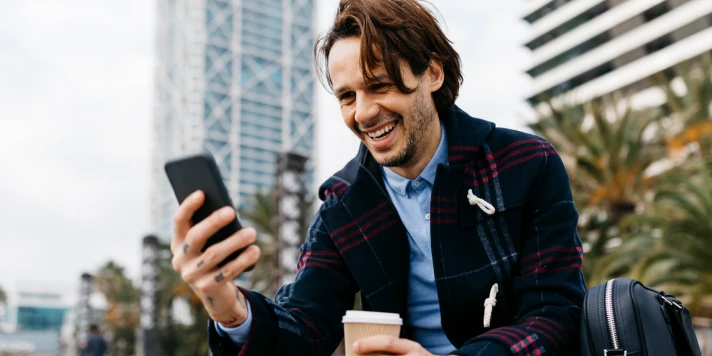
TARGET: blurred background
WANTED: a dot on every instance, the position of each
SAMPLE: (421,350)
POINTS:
(96,95)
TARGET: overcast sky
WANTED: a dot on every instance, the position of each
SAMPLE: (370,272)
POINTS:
(75,123)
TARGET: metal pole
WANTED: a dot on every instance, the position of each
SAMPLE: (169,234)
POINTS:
(149,296)
(290,198)
(84,311)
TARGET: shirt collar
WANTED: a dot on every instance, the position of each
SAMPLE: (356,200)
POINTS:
(399,183)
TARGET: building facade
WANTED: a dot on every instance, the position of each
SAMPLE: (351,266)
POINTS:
(235,78)
(36,307)
(583,49)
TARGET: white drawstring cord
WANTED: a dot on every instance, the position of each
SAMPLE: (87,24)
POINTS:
(492,300)
(485,206)
(490,303)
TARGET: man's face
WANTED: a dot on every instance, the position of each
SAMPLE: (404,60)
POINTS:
(390,123)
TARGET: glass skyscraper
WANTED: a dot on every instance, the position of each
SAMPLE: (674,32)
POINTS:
(235,78)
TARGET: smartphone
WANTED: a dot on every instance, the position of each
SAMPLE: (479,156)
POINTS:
(200,172)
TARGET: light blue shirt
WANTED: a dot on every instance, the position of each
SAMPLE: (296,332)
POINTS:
(240,333)
(412,201)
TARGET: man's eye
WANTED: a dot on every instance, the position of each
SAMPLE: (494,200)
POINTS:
(380,87)
(346,96)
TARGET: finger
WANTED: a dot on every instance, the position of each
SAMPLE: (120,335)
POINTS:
(230,271)
(217,253)
(223,249)
(385,343)
(202,231)
(182,217)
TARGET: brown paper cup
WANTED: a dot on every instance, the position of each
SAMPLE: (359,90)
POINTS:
(359,324)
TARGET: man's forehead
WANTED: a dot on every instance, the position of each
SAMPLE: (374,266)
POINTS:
(345,55)
(345,70)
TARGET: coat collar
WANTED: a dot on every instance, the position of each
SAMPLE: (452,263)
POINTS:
(465,136)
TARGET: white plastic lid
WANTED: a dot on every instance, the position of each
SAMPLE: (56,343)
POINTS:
(361,316)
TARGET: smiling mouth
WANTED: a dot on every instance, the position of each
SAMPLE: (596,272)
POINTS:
(382,133)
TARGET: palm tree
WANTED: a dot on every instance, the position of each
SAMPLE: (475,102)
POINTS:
(608,153)
(690,108)
(123,312)
(672,253)
(177,339)
(262,214)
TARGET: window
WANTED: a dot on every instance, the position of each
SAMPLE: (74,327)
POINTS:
(568,26)
(36,318)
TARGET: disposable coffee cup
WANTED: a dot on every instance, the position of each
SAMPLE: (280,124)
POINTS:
(359,324)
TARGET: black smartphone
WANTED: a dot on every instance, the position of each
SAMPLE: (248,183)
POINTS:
(200,172)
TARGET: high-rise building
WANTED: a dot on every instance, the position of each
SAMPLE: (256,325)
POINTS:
(583,49)
(235,78)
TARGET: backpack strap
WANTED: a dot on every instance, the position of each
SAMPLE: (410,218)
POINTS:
(681,324)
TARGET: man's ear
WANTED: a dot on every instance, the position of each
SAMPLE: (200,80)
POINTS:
(434,75)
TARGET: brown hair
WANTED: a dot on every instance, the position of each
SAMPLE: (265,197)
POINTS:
(392,30)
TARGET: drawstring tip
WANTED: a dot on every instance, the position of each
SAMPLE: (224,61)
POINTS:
(490,303)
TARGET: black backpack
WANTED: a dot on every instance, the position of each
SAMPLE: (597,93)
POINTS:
(624,317)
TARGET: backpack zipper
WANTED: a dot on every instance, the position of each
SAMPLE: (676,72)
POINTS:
(610,317)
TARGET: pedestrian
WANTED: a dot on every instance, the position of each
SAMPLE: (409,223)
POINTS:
(95,344)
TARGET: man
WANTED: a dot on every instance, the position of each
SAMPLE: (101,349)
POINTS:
(95,344)
(466,230)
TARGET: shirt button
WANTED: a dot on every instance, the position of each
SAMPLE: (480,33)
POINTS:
(427,216)
(416,183)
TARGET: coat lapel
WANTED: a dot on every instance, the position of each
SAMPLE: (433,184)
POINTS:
(372,240)
(466,136)
(465,254)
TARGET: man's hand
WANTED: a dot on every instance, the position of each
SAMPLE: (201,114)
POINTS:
(390,345)
(213,285)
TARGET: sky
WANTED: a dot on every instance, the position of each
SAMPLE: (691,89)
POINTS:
(76,89)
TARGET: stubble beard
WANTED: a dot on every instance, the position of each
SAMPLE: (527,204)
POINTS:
(421,116)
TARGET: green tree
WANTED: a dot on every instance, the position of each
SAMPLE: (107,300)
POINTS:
(178,339)
(607,152)
(689,108)
(123,312)
(671,249)
(261,214)
(3,296)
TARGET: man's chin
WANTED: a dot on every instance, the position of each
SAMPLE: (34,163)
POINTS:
(389,160)
(391,156)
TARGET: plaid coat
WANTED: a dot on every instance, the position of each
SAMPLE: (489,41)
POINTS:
(529,247)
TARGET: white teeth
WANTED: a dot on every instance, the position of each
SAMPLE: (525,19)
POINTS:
(382,131)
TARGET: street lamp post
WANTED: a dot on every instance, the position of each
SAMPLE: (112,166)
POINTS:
(290,198)
(149,296)
(84,311)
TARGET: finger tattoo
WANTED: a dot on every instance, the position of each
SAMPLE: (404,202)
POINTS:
(200,263)
(185,248)
(219,277)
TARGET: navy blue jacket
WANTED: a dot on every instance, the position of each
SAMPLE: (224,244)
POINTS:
(529,247)
(96,345)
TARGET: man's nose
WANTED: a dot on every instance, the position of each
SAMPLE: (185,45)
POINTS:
(366,109)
